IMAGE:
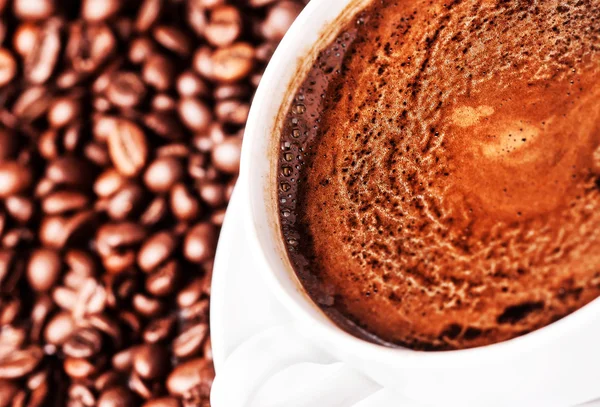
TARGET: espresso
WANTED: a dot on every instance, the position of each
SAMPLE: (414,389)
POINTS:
(439,182)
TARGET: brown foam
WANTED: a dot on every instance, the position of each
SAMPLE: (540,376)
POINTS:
(447,190)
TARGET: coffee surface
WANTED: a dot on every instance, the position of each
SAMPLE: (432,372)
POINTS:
(440,165)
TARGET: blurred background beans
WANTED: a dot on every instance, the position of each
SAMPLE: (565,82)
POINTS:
(121,127)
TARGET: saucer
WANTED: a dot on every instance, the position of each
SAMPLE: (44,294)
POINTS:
(243,317)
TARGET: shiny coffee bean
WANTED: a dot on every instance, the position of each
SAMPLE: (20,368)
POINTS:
(33,9)
(155,250)
(126,90)
(83,343)
(189,375)
(116,397)
(213,194)
(159,329)
(63,111)
(128,148)
(172,39)
(14,178)
(8,67)
(125,202)
(151,361)
(226,155)
(99,10)
(184,205)
(20,208)
(140,50)
(148,13)
(190,341)
(163,173)
(43,269)
(61,202)
(163,402)
(41,61)
(230,64)
(279,18)
(155,212)
(162,282)
(19,363)
(190,294)
(190,85)
(25,37)
(123,360)
(194,114)
(59,328)
(224,27)
(147,306)
(78,369)
(200,243)
(158,72)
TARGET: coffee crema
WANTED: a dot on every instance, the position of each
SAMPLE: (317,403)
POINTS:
(439,182)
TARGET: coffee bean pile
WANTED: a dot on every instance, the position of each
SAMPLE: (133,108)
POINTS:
(120,132)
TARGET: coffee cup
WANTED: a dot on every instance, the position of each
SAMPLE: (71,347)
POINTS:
(556,365)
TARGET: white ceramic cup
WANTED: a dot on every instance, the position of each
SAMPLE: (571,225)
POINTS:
(558,365)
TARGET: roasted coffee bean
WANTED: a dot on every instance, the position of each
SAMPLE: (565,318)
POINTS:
(164,123)
(140,50)
(41,61)
(128,148)
(83,343)
(232,111)
(147,14)
(125,202)
(196,313)
(279,18)
(141,387)
(190,85)
(224,27)
(163,402)
(155,212)
(230,64)
(25,37)
(98,10)
(116,397)
(33,9)
(172,39)
(158,72)
(63,111)
(56,231)
(59,328)
(212,194)
(157,249)
(162,282)
(9,310)
(200,243)
(78,369)
(19,363)
(190,341)
(20,208)
(194,114)
(159,329)
(189,375)
(109,182)
(226,155)
(8,67)
(184,205)
(61,202)
(126,90)
(190,294)
(81,262)
(117,235)
(89,46)
(151,361)
(147,306)
(69,171)
(165,103)
(123,360)
(43,269)
(107,380)
(8,390)
(14,178)
(218,217)
(163,173)
(81,396)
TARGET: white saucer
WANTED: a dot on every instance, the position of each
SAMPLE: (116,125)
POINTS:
(243,311)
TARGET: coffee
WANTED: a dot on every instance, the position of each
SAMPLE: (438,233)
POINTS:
(439,173)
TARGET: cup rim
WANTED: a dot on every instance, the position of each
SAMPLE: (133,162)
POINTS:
(261,118)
